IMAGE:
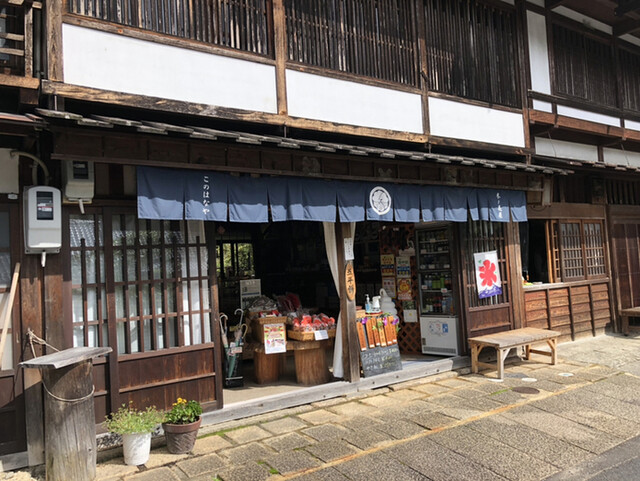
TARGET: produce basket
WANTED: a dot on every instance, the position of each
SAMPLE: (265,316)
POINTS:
(258,322)
(307,335)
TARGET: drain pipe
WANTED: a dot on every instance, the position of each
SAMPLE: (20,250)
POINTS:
(34,171)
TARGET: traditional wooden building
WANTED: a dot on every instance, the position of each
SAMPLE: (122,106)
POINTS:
(211,128)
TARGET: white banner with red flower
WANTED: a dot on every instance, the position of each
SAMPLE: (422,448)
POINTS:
(487,274)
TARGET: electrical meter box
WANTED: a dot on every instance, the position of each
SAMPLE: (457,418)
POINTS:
(42,220)
(78,180)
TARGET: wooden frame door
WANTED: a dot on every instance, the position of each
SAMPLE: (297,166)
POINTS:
(493,314)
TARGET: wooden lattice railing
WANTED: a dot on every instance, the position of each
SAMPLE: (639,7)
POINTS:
(16,39)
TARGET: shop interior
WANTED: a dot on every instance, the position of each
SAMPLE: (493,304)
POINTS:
(289,262)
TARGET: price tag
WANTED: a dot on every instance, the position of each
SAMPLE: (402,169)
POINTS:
(321,335)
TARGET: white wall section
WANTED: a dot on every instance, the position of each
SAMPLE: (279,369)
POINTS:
(630,124)
(448,118)
(322,98)
(542,106)
(566,150)
(621,157)
(538,53)
(590,116)
(114,62)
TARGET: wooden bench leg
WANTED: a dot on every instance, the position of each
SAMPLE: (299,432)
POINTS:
(625,325)
(475,351)
(502,355)
(527,352)
(554,353)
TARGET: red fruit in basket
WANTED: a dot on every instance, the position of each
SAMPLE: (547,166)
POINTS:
(332,322)
(296,324)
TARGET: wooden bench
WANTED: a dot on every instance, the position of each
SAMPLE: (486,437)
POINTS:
(626,314)
(504,341)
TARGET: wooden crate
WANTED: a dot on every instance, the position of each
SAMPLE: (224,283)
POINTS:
(307,335)
(258,323)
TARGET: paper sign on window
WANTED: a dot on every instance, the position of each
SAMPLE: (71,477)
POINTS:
(487,274)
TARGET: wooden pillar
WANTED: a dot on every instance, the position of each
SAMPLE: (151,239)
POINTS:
(280,54)
(54,40)
(210,236)
(350,343)
(515,273)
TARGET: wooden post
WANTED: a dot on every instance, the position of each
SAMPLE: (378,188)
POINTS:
(54,40)
(515,274)
(211,239)
(280,54)
(350,343)
(70,434)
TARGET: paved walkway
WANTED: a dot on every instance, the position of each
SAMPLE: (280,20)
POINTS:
(540,421)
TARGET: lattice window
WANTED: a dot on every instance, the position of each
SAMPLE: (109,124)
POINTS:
(150,281)
(484,236)
(472,50)
(238,24)
(578,250)
(629,64)
(583,67)
(374,38)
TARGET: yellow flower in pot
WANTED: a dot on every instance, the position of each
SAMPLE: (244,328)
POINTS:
(181,426)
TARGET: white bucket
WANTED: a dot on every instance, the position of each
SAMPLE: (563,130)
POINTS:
(136,448)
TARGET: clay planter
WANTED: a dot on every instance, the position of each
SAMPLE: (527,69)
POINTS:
(181,437)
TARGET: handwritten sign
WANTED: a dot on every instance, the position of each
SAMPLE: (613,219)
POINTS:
(380,360)
(350,281)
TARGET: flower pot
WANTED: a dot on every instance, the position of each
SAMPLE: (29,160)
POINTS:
(181,437)
(136,448)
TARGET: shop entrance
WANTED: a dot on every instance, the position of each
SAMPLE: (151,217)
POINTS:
(288,260)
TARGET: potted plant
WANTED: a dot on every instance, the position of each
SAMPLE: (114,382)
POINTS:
(135,426)
(181,425)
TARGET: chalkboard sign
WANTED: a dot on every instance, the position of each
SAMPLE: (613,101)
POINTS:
(380,360)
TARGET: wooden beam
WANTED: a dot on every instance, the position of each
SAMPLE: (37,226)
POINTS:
(626,7)
(54,40)
(165,105)
(577,125)
(550,4)
(350,343)
(630,25)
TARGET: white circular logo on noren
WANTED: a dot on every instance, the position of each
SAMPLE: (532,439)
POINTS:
(380,200)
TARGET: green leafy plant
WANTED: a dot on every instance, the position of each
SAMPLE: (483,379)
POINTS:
(129,420)
(183,412)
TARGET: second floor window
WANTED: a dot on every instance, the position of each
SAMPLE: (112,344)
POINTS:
(583,66)
(472,51)
(237,24)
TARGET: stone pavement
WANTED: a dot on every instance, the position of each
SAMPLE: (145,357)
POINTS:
(541,420)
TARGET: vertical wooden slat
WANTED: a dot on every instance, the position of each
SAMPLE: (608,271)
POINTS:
(280,52)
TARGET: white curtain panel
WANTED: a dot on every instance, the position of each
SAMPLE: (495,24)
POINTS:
(332,256)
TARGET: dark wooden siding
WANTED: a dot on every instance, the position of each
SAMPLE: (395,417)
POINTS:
(373,38)
(238,24)
(472,51)
(584,67)
(629,63)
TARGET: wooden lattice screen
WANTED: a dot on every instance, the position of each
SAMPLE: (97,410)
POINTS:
(472,50)
(374,38)
(237,24)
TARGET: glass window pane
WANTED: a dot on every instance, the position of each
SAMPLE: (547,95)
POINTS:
(132,265)
(78,336)
(154,232)
(134,330)
(157,264)
(171,296)
(102,272)
(133,301)
(82,227)
(117,233)
(90,262)
(173,332)
(78,306)
(92,305)
(76,267)
(7,355)
(158,291)
(103,300)
(207,327)
(118,267)
(119,295)
(160,334)
(122,345)
(147,335)
(146,300)
(5,269)
(143,234)
(100,231)
(93,336)
(105,335)
(130,221)
(144,265)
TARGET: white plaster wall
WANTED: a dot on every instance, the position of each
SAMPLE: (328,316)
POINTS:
(538,53)
(322,98)
(630,124)
(113,62)
(566,150)
(458,120)
(621,157)
(542,106)
(590,116)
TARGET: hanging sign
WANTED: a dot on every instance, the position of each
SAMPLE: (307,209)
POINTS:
(350,281)
(487,274)
(348,249)
(403,267)
(389,285)
(404,289)
(388,265)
